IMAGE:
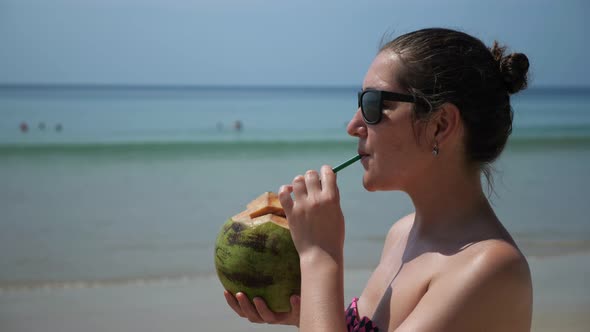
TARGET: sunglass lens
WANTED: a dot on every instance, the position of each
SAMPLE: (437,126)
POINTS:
(371,106)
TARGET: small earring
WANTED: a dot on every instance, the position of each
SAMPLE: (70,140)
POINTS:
(435,150)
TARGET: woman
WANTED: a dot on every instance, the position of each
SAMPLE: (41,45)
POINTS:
(434,113)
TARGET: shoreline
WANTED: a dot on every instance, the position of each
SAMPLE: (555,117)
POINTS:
(7,287)
(561,302)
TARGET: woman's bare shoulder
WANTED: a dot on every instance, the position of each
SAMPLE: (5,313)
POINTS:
(399,230)
(402,225)
(489,263)
(397,233)
(489,258)
(486,286)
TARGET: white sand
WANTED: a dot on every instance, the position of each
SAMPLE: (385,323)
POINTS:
(561,293)
(562,303)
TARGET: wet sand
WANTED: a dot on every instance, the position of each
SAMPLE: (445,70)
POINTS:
(562,303)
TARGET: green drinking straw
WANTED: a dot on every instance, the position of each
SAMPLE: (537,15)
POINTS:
(346,163)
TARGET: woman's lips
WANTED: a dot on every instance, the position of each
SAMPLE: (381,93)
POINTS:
(364,158)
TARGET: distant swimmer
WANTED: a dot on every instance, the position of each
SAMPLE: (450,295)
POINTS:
(238,125)
(58,127)
(24,127)
(41,126)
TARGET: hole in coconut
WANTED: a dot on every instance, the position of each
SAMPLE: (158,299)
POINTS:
(265,208)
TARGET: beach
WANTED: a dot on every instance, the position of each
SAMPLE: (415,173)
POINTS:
(110,223)
(561,303)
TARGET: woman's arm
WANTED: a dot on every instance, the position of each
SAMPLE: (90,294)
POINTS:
(317,228)
(322,294)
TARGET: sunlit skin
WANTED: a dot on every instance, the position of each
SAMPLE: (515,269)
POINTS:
(450,266)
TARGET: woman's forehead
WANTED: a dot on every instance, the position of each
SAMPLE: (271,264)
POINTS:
(381,75)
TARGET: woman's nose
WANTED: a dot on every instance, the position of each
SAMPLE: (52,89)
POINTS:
(357,127)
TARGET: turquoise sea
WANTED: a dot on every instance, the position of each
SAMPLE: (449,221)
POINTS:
(128,184)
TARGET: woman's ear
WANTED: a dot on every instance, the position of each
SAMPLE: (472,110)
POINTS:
(445,125)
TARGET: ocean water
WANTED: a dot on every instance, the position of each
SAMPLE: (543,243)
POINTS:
(136,182)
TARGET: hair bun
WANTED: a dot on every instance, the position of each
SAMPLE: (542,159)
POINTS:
(513,68)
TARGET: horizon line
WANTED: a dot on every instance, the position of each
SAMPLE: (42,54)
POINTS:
(167,86)
(154,86)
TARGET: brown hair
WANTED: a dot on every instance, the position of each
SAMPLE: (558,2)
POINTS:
(445,66)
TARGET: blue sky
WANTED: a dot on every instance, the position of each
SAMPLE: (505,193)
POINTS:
(256,42)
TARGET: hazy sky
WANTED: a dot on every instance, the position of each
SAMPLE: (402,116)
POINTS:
(272,42)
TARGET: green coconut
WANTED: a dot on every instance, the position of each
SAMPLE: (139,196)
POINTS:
(255,255)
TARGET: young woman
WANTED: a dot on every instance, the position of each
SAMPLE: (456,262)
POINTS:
(433,114)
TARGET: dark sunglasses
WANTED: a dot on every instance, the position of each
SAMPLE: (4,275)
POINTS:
(371,103)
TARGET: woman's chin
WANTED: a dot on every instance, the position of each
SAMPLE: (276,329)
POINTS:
(370,184)
(375,183)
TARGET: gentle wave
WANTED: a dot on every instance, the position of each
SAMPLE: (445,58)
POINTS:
(192,148)
(549,141)
(15,286)
(551,248)
(531,247)
(247,145)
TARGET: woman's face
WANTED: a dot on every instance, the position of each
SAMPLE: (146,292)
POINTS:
(391,153)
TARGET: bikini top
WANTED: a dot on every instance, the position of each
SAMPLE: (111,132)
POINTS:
(356,324)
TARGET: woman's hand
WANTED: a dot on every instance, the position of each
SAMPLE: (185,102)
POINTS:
(315,217)
(258,312)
